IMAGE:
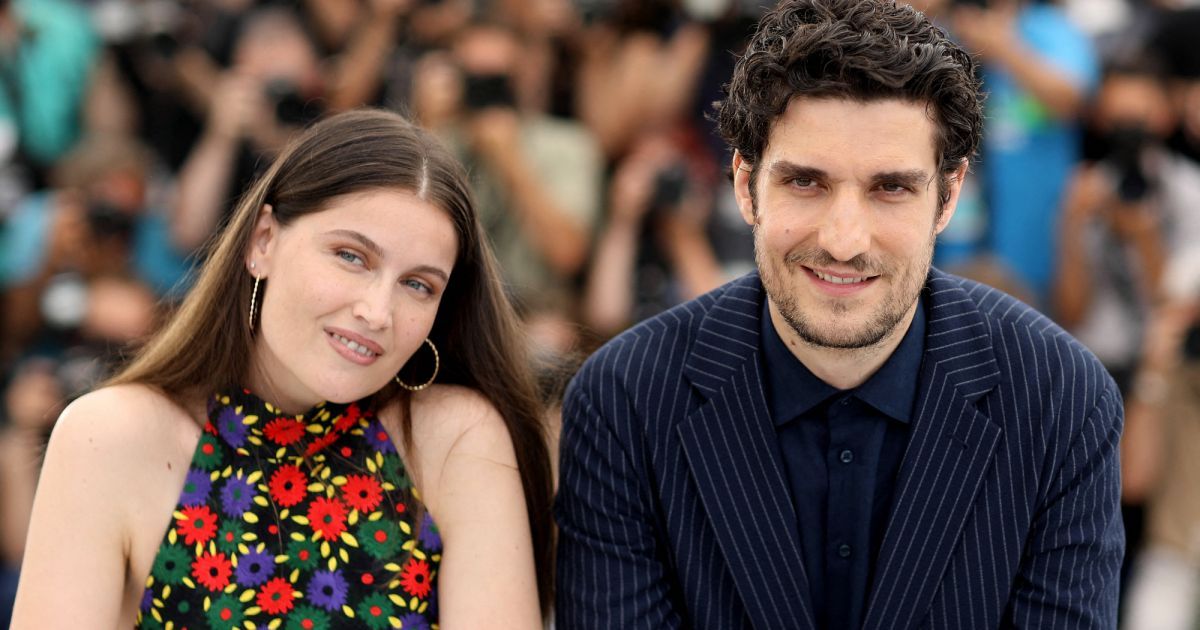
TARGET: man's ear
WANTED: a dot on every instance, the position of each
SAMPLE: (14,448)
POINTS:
(741,188)
(954,189)
(262,242)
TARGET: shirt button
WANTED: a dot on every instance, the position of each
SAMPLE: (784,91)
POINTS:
(845,401)
(846,456)
(844,551)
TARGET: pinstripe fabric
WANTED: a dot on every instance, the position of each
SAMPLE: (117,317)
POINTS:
(674,511)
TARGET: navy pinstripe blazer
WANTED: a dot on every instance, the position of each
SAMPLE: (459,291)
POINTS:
(674,511)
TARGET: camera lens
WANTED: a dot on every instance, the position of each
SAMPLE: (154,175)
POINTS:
(64,301)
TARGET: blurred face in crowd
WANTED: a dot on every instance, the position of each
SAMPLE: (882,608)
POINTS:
(486,50)
(1131,100)
(274,47)
(350,294)
(845,212)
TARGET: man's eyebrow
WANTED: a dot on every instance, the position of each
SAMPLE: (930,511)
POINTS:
(784,170)
(361,239)
(913,178)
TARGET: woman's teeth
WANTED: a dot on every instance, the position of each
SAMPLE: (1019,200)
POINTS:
(354,346)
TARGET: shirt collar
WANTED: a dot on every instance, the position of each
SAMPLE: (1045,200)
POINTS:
(792,389)
(893,388)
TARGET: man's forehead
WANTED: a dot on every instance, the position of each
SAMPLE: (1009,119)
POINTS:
(890,133)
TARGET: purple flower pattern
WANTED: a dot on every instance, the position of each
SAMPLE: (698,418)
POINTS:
(327,589)
(195,487)
(236,496)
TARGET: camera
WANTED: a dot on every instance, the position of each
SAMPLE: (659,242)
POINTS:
(1125,147)
(669,187)
(291,108)
(481,91)
(108,221)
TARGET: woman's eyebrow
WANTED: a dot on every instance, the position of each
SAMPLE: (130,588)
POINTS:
(361,239)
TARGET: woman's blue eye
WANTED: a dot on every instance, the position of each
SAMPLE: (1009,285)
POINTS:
(418,285)
(350,257)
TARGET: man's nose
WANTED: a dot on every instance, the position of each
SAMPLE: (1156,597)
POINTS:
(845,230)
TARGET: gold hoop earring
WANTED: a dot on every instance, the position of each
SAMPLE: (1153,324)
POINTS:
(253,303)
(437,364)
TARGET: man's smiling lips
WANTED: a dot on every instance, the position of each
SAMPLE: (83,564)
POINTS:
(839,284)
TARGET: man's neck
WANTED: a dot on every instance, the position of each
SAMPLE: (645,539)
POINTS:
(840,367)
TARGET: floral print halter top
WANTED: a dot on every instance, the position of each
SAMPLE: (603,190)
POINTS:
(294,522)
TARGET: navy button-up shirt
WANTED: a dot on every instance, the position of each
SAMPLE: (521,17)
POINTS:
(841,452)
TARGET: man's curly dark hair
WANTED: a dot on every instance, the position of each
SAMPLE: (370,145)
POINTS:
(862,50)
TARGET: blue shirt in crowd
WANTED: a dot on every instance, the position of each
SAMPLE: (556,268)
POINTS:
(841,451)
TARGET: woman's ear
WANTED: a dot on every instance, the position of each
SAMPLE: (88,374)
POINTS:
(262,241)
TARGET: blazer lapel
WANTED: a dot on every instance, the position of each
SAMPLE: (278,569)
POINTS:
(949,450)
(729,445)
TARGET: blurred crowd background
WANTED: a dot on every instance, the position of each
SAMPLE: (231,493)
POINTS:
(128,129)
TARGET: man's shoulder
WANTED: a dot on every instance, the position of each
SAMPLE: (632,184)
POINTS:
(1002,315)
(1027,345)
(997,310)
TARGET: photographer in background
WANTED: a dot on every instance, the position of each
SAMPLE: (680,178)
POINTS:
(1039,70)
(1112,238)
(273,88)
(536,177)
(95,224)
(654,251)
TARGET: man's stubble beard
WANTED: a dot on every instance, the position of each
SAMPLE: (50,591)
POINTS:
(880,327)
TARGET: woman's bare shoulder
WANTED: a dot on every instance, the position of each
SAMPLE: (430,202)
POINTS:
(454,418)
(127,421)
(448,422)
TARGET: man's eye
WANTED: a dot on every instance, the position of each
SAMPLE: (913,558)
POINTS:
(803,182)
(893,188)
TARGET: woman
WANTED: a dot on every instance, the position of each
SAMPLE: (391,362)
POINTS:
(275,454)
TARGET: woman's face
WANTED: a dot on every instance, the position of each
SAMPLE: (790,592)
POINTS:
(350,294)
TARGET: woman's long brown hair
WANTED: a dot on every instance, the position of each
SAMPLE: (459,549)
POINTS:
(206,346)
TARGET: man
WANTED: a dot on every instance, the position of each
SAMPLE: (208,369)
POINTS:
(848,438)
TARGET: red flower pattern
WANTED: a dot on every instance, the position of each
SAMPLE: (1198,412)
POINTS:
(284,431)
(276,596)
(198,525)
(212,570)
(362,493)
(327,517)
(348,420)
(321,443)
(415,578)
(288,485)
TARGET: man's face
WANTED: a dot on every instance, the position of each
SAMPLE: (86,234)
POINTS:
(845,217)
